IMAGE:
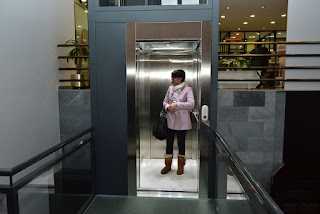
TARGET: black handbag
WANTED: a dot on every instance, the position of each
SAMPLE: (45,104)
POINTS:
(159,130)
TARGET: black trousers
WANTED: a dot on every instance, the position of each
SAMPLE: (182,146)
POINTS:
(181,135)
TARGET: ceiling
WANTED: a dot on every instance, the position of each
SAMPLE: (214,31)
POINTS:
(240,10)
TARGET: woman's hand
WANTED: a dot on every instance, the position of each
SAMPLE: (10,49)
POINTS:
(172,107)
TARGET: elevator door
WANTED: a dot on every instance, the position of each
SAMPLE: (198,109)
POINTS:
(155,62)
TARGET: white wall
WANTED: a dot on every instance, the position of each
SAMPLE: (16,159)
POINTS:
(29,111)
(303,25)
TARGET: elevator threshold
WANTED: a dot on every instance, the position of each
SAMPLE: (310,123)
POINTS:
(167,194)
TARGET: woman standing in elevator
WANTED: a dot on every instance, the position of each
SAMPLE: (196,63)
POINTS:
(178,102)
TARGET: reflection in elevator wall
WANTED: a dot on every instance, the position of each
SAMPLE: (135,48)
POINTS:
(155,62)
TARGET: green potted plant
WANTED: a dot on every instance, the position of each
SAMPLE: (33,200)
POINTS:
(75,52)
(234,62)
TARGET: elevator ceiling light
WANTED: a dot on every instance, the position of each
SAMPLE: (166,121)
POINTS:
(222,17)
(283,15)
(252,16)
(245,23)
(273,22)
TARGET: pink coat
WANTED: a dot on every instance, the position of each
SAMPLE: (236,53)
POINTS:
(186,104)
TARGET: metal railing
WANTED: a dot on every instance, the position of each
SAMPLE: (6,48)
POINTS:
(259,199)
(270,69)
(11,190)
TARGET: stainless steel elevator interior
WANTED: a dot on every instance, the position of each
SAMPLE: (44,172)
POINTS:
(161,48)
(155,62)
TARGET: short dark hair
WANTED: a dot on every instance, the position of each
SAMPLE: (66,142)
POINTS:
(179,73)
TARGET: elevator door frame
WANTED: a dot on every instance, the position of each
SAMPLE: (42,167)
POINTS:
(169,31)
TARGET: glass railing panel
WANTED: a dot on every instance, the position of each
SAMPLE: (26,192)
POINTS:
(106,3)
(235,183)
(228,185)
(3,203)
(64,188)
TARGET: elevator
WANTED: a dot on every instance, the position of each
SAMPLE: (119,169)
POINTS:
(159,49)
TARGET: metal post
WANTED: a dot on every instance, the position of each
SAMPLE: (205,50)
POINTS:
(93,165)
(12,202)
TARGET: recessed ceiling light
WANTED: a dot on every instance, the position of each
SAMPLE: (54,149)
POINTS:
(262,7)
(264,28)
(283,15)
(84,0)
(252,16)
(279,33)
(239,28)
(222,17)
(271,36)
(79,26)
(219,23)
(86,11)
(237,34)
(258,33)
(245,23)
(253,36)
(273,22)
(228,8)
(78,36)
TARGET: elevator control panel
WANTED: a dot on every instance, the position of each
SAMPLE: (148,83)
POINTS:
(205,113)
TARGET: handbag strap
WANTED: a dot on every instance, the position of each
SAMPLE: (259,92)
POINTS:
(163,112)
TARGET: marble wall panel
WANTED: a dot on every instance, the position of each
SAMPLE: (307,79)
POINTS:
(248,98)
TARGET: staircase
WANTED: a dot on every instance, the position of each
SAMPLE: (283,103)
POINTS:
(296,189)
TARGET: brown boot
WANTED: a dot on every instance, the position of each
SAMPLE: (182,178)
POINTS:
(167,162)
(181,163)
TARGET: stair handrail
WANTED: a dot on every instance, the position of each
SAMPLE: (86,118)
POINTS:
(265,197)
(18,168)
(12,188)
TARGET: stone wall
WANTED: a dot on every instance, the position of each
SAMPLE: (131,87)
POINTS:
(75,112)
(252,123)
(75,116)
